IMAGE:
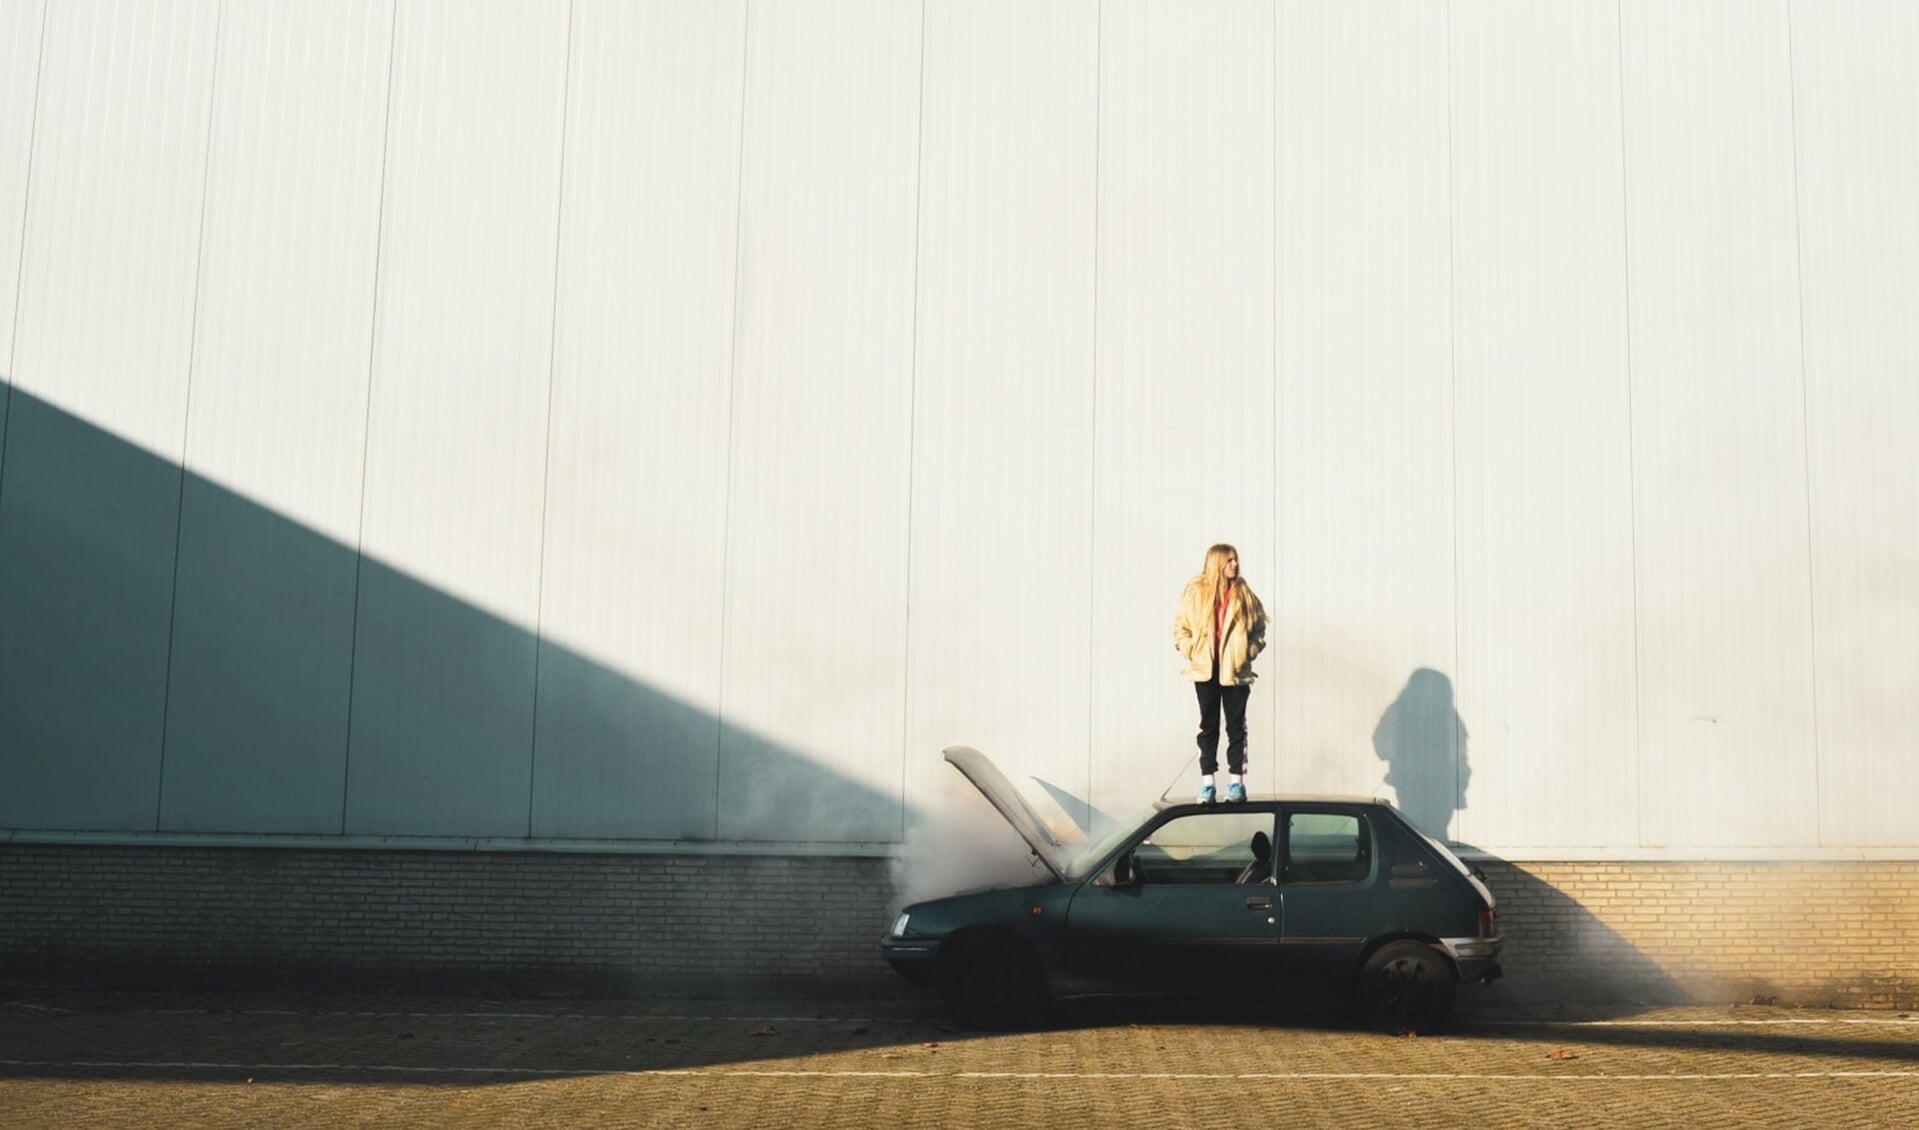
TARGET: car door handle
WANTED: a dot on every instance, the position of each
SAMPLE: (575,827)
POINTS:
(1259,903)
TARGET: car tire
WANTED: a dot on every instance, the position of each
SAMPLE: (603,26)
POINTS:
(1407,987)
(992,984)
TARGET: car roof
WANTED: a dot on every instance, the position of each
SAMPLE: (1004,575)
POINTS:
(1048,848)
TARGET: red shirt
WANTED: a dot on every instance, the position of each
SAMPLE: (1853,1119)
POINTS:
(1220,606)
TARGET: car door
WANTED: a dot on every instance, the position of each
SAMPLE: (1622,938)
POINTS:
(1328,901)
(1187,905)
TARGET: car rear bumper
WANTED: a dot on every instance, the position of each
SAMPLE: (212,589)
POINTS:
(912,958)
(1476,958)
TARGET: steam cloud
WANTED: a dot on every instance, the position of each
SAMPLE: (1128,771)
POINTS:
(960,843)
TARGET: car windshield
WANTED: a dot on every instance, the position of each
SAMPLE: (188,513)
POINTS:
(1088,855)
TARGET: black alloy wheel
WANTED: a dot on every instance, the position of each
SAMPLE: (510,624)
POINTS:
(1407,987)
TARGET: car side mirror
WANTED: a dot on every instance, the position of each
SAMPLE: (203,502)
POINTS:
(1123,870)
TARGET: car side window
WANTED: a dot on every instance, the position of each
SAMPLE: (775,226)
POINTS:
(1206,847)
(1326,847)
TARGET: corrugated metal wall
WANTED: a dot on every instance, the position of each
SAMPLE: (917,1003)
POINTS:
(676,421)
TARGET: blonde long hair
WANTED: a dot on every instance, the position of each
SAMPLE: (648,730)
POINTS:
(1248,611)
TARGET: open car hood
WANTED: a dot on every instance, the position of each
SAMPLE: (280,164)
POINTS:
(1001,794)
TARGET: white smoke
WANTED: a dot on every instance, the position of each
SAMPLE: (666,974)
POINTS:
(959,842)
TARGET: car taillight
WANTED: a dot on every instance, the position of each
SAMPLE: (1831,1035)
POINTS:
(1489,923)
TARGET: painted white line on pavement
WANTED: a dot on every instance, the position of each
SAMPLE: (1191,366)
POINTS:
(1475,1022)
(569,1072)
(527,1016)
(1101,1076)
(1434,1075)
(1893,1021)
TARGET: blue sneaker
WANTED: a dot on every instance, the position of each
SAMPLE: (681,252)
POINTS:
(1235,793)
(1207,795)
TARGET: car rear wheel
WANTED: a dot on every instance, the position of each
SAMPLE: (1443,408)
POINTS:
(1407,987)
(992,984)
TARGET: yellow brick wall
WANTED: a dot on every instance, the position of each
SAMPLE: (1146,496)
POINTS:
(1807,933)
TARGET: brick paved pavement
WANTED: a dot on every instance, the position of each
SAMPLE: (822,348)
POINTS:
(70,1059)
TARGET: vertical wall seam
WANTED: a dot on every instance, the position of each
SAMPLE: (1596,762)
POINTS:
(1273,332)
(552,378)
(1092,384)
(1452,392)
(186,409)
(1273,633)
(11,377)
(1805,434)
(366,428)
(732,402)
(912,427)
(1632,439)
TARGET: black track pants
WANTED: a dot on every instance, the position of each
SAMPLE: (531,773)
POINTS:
(1213,699)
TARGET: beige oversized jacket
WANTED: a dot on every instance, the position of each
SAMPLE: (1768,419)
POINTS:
(1193,638)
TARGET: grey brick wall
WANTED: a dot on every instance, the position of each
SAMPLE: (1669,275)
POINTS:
(519,922)
(1801,933)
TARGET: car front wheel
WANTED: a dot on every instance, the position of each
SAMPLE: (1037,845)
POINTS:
(1407,987)
(992,984)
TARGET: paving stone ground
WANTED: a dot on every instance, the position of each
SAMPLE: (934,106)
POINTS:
(72,1058)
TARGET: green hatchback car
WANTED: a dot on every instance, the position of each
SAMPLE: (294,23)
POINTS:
(1280,893)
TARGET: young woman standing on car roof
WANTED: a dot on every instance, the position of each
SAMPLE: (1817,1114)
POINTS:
(1220,629)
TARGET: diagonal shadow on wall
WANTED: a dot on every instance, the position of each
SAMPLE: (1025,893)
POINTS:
(177,660)
(180,658)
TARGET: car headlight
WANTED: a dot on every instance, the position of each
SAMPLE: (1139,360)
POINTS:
(899,926)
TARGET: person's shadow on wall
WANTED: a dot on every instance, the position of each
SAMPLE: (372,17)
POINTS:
(1557,950)
(1423,743)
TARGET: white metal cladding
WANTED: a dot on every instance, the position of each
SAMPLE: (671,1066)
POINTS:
(628,716)
(20,23)
(608,424)
(256,717)
(90,493)
(1543,428)
(1856,99)
(1725,651)
(1003,395)
(444,659)
(813,667)
(1183,394)
(1364,427)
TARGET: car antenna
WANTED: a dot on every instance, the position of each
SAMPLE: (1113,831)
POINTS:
(1167,791)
